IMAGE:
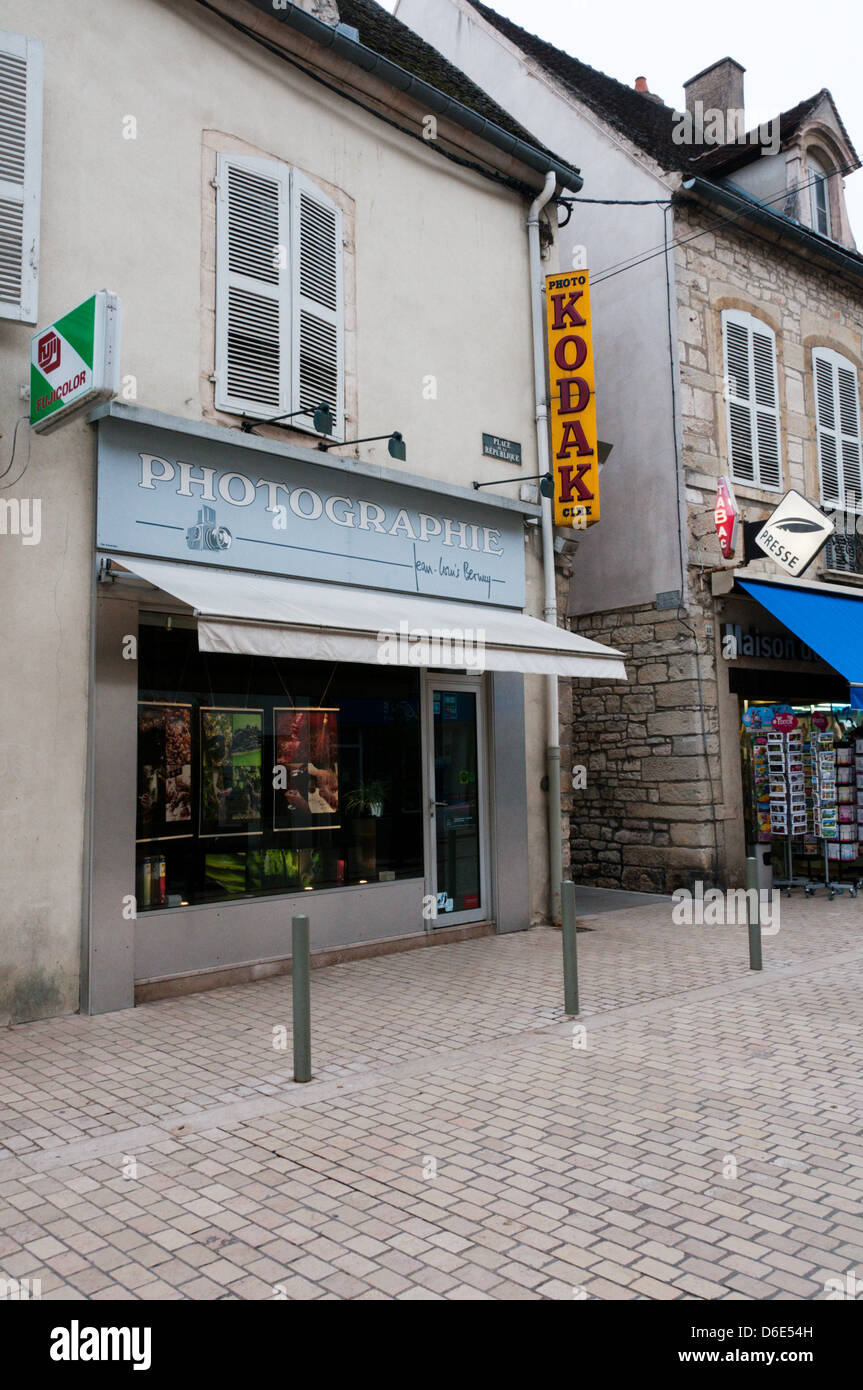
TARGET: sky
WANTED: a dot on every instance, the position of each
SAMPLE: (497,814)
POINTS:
(789,51)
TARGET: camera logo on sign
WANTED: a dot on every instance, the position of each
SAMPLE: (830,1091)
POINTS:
(49,352)
(205,534)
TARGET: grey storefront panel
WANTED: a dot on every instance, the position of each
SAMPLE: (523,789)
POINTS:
(178,496)
(174,942)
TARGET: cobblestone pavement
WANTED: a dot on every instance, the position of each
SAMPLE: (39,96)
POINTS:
(458,1140)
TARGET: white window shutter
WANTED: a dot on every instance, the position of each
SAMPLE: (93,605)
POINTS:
(253,326)
(849,429)
(837,419)
(766,406)
(21,66)
(738,392)
(752,396)
(317,303)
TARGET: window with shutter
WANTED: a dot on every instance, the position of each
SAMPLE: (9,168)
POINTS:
(20,174)
(279,300)
(837,420)
(752,401)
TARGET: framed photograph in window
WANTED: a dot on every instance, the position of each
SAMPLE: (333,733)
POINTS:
(164,792)
(306,772)
(231,754)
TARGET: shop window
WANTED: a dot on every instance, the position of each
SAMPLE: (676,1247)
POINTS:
(752,401)
(20,174)
(279,294)
(259,777)
(837,419)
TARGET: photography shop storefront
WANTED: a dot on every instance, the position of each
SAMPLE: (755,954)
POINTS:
(309,695)
(790,714)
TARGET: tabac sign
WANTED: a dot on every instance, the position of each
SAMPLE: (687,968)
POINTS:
(574,460)
(726,518)
(74,362)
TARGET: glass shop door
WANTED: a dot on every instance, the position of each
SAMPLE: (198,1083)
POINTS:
(457,838)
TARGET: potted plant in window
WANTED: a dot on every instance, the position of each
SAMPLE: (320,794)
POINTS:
(365,805)
(367,799)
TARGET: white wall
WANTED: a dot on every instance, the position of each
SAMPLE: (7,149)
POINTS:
(632,554)
(441,257)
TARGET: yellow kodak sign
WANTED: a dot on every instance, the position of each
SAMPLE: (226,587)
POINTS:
(574,461)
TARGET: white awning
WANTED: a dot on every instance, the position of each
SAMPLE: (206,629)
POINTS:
(260,615)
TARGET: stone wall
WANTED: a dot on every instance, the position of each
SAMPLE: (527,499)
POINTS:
(645,819)
(805,306)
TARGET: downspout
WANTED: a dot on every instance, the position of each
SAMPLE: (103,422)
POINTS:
(552,715)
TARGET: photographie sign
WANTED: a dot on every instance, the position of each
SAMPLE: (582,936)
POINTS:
(726,517)
(574,457)
(794,533)
(75,362)
(506,449)
(173,495)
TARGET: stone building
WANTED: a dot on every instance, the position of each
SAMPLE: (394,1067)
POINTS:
(721,259)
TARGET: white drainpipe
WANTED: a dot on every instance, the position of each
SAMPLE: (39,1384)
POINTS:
(552,752)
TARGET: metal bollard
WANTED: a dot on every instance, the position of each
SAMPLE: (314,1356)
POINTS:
(570,951)
(753,914)
(301,980)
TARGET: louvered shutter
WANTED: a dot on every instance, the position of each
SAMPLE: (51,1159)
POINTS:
(837,418)
(253,320)
(766,407)
(20,175)
(752,398)
(828,444)
(317,301)
(739,395)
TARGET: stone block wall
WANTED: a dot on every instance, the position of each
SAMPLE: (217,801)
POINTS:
(647,818)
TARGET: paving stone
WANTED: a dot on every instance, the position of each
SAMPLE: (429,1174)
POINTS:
(557,1169)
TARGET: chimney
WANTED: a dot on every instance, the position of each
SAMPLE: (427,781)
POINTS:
(718,88)
(641,85)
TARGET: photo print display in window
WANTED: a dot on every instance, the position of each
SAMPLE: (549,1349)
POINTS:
(164,771)
(306,772)
(231,751)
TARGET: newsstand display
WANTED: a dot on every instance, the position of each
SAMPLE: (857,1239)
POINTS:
(803,781)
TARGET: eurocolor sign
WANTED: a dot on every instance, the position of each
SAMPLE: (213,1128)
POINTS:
(189,496)
(75,362)
(574,460)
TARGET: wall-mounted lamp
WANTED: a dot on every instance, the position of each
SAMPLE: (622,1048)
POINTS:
(546,485)
(396,444)
(322,418)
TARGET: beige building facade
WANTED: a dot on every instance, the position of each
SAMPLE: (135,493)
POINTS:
(284,226)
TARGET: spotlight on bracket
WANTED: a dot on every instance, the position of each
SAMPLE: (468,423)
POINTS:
(396,444)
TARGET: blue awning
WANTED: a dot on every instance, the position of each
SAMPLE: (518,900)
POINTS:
(831,624)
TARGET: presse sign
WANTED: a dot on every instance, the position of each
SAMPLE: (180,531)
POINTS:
(574,461)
